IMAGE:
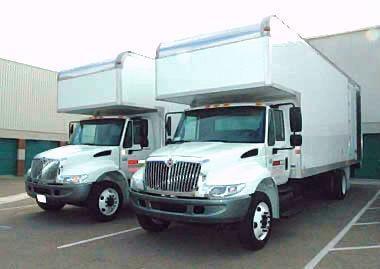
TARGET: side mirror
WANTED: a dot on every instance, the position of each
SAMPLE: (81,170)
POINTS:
(72,126)
(168,126)
(295,119)
(71,129)
(295,140)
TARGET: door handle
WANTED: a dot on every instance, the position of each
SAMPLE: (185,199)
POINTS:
(286,163)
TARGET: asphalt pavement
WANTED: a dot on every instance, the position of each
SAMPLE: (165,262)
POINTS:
(31,238)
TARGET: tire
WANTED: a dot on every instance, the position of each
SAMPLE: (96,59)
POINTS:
(152,225)
(49,206)
(105,201)
(338,185)
(252,235)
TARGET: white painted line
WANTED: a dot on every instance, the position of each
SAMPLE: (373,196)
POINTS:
(374,208)
(367,223)
(5,228)
(365,183)
(98,238)
(355,248)
(16,207)
(13,198)
(340,235)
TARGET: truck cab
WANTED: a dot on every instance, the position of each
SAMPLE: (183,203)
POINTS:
(218,157)
(126,124)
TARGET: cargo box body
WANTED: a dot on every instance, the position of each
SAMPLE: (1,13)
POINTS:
(119,87)
(269,63)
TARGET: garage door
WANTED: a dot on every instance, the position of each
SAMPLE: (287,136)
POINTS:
(371,157)
(33,147)
(8,156)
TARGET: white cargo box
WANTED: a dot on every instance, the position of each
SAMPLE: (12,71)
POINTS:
(118,87)
(270,63)
(256,63)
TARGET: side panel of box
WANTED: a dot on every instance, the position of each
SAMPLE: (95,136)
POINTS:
(327,131)
(91,90)
(225,66)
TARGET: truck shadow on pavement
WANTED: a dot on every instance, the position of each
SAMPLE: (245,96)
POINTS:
(293,242)
(72,215)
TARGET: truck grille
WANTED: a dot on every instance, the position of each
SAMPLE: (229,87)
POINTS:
(44,169)
(180,177)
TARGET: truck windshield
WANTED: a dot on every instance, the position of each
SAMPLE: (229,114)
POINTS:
(228,124)
(103,132)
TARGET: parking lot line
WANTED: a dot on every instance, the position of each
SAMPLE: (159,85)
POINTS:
(98,238)
(374,208)
(13,198)
(16,207)
(311,264)
(367,223)
(355,248)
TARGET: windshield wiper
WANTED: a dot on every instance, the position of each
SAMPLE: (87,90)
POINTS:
(179,141)
(215,140)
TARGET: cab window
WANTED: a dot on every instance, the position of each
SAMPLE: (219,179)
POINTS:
(279,125)
(136,133)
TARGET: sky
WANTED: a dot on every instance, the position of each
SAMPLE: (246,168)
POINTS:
(59,35)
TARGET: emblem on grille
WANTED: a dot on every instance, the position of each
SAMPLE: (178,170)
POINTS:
(169,163)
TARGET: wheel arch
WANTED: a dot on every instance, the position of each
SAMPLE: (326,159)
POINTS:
(269,187)
(118,178)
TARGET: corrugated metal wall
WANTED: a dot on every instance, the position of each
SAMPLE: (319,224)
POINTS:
(28,101)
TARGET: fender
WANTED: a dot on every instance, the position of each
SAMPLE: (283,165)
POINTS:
(269,187)
(118,177)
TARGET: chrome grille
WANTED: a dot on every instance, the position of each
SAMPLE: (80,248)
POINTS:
(44,169)
(179,177)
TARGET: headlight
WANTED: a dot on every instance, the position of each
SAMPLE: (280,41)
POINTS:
(75,179)
(137,180)
(225,191)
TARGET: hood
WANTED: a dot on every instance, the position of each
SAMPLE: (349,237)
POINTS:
(70,151)
(205,150)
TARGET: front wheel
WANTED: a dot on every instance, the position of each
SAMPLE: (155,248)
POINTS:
(49,206)
(105,201)
(152,225)
(256,228)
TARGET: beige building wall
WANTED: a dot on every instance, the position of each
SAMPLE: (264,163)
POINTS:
(28,101)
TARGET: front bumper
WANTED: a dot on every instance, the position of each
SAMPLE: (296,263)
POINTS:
(190,210)
(68,194)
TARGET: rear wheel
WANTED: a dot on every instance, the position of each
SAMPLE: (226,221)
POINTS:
(151,224)
(255,230)
(338,185)
(105,201)
(50,206)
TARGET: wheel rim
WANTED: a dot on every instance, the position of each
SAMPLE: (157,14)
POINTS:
(344,184)
(109,201)
(261,221)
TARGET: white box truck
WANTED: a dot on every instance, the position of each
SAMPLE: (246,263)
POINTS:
(267,112)
(127,124)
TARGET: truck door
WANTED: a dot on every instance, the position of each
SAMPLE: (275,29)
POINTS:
(136,145)
(278,151)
